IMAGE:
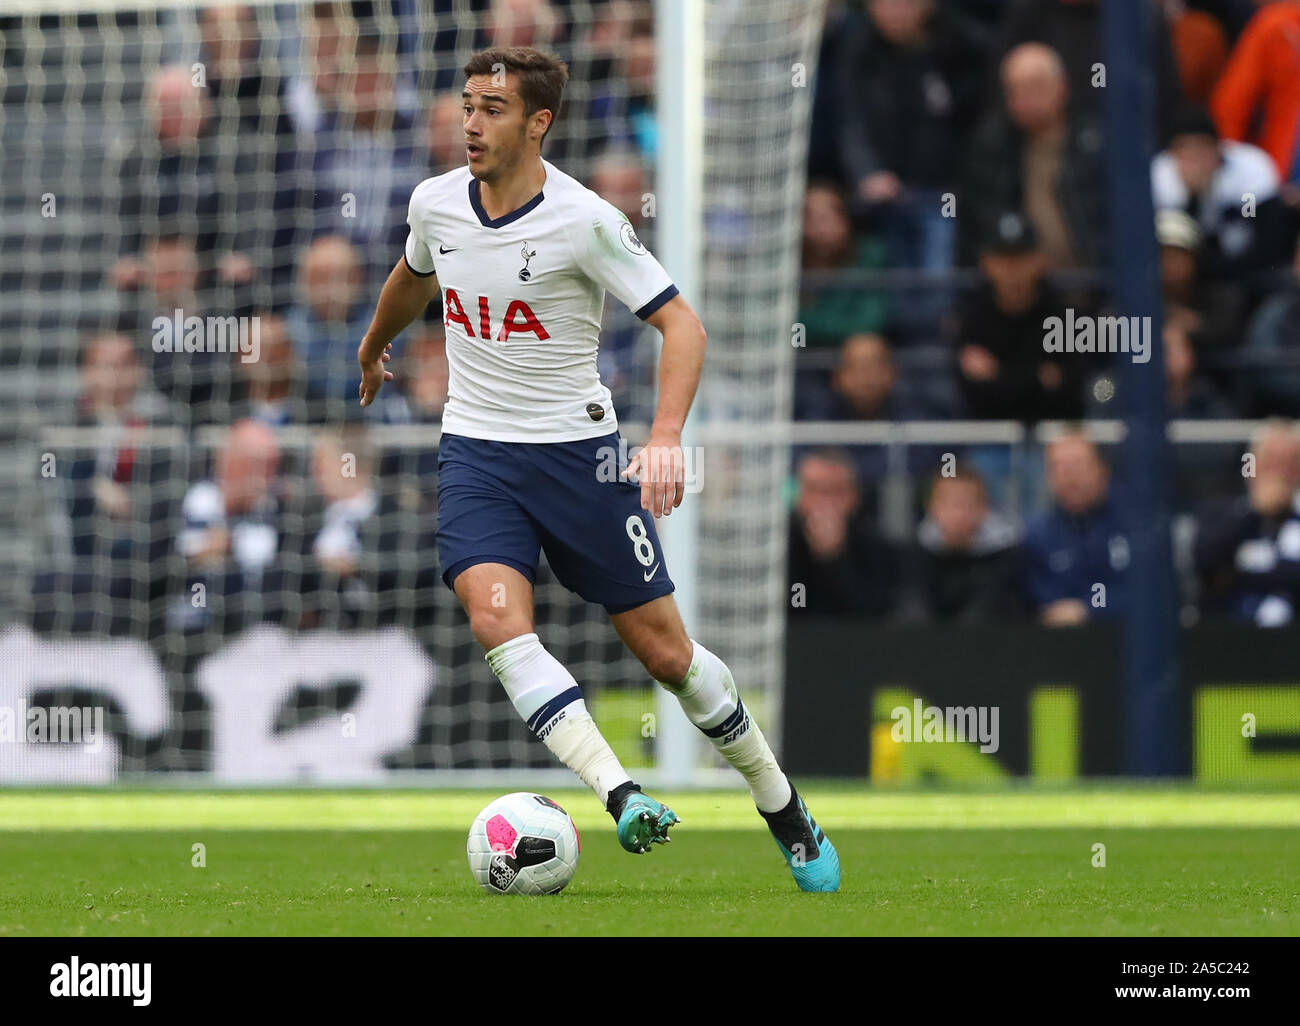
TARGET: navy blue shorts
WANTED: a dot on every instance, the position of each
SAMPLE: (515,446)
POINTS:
(506,502)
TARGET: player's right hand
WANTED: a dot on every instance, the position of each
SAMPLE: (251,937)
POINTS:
(373,375)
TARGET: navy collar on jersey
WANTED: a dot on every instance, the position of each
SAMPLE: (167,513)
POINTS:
(504,219)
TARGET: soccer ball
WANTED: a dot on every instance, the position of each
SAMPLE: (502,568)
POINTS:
(523,843)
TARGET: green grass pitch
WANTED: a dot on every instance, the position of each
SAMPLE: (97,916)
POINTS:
(1179,861)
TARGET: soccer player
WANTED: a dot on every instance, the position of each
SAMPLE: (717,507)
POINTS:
(523,255)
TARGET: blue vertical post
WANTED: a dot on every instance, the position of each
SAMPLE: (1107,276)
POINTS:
(1155,734)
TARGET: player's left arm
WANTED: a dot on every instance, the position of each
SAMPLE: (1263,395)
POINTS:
(661,464)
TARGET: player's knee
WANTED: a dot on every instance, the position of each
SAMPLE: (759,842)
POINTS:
(493,626)
(668,662)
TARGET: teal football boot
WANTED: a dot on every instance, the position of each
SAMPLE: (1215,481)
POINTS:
(814,863)
(641,820)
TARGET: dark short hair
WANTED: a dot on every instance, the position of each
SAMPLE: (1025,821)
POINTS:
(1192,120)
(1011,234)
(833,455)
(542,75)
(962,472)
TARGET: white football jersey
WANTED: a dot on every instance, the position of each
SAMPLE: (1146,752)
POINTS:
(522,298)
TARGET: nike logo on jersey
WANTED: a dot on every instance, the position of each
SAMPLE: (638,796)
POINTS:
(444,250)
(654,571)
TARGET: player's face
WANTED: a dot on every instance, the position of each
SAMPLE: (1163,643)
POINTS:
(496,130)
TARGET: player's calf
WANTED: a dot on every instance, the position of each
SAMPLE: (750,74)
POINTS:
(545,694)
(709,698)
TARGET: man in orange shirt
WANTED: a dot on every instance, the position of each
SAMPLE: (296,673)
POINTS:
(1262,81)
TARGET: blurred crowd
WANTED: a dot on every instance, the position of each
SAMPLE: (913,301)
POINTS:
(262,181)
(961,140)
(959,148)
(251,185)
(971,562)
(970,136)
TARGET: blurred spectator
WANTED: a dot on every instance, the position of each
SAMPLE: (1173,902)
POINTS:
(1200,46)
(240,76)
(1003,370)
(863,386)
(1209,311)
(909,90)
(590,121)
(1274,340)
(1188,395)
(1229,188)
(114,389)
(844,567)
(843,22)
(166,179)
(187,370)
(336,584)
(116,498)
(1248,549)
(417,395)
(272,388)
(332,32)
(1035,154)
(523,23)
(446,128)
(829,314)
(620,111)
(966,564)
(327,35)
(255,146)
(421,381)
(342,466)
(364,157)
(1073,29)
(330,316)
(366,534)
(1257,99)
(619,176)
(232,532)
(1079,543)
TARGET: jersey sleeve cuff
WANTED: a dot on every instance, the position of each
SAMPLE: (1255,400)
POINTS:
(418,274)
(657,302)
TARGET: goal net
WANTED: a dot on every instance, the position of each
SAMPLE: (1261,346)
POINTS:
(211,559)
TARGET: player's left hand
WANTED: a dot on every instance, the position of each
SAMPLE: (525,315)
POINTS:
(661,469)
(373,376)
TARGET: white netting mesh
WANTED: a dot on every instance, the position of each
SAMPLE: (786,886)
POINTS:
(759,65)
(250,167)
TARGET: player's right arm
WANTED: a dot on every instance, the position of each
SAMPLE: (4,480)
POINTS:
(402,300)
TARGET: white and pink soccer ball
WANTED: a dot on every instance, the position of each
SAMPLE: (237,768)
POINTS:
(523,843)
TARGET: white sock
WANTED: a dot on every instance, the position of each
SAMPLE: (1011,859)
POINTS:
(545,694)
(709,699)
